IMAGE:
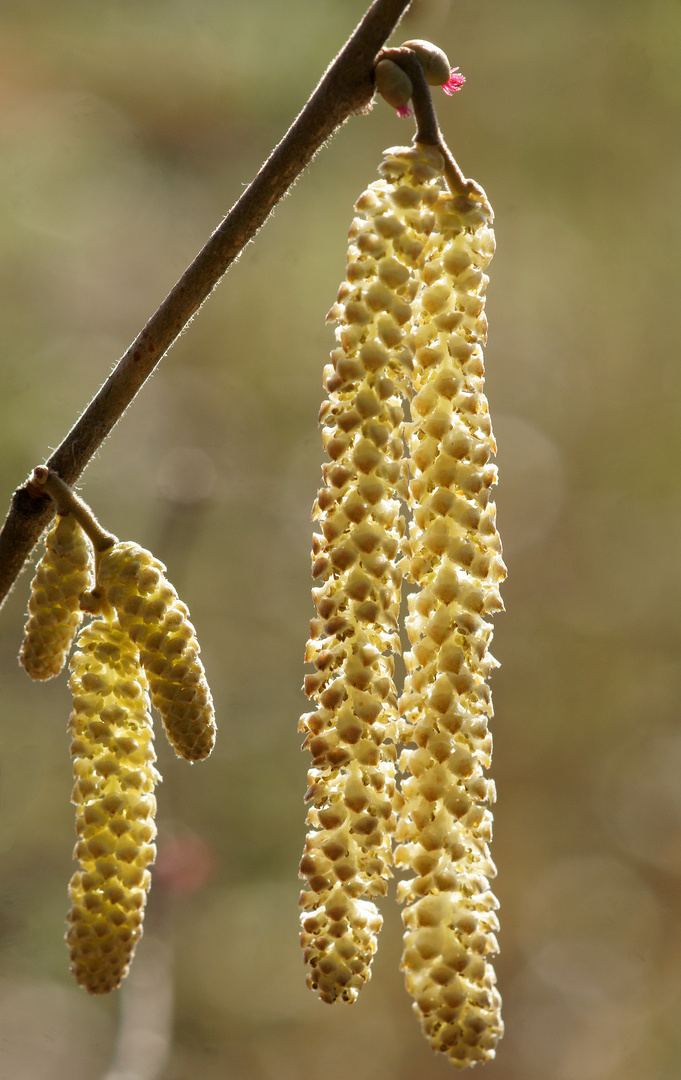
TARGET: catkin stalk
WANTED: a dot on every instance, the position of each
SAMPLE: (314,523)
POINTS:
(113,766)
(351,733)
(454,560)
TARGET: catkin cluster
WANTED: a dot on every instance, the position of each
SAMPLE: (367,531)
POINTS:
(454,560)
(113,766)
(62,575)
(142,643)
(411,327)
(351,734)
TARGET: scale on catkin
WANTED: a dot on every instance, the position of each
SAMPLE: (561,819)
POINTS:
(139,644)
(407,497)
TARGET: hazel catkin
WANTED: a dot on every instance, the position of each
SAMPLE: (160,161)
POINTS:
(133,582)
(62,575)
(454,561)
(115,777)
(351,732)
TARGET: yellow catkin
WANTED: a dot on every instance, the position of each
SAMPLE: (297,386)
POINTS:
(351,734)
(113,766)
(148,608)
(454,559)
(62,575)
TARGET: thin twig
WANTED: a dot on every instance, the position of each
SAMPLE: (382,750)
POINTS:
(346,88)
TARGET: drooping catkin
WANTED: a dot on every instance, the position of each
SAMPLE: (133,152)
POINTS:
(113,766)
(455,562)
(62,575)
(149,610)
(351,734)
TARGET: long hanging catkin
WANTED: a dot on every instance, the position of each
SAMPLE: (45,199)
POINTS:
(113,765)
(157,621)
(351,733)
(62,575)
(455,562)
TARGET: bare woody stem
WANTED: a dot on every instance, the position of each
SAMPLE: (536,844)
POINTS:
(66,501)
(345,89)
(427,127)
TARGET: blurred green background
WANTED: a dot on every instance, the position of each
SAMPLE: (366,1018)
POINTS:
(127,130)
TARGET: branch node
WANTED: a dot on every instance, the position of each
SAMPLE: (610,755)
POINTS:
(67,502)
(35,485)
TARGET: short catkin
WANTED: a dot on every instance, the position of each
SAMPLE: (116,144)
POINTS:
(352,731)
(149,610)
(454,561)
(113,766)
(62,575)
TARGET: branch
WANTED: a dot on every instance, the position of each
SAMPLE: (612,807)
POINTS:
(346,88)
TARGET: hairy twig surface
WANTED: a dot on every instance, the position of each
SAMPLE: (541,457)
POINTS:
(345,88)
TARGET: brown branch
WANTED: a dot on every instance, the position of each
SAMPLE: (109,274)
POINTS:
(346,88)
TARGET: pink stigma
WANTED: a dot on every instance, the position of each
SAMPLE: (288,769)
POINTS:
(403,111)
(455,82)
